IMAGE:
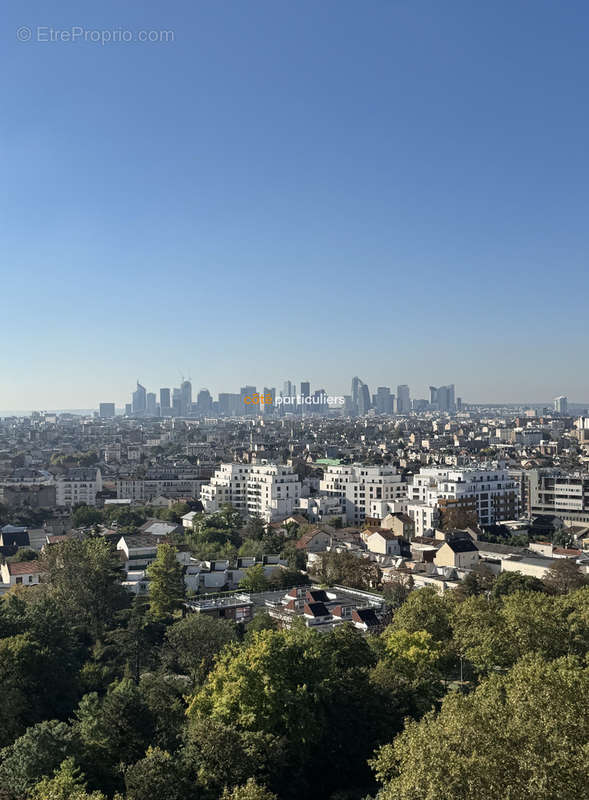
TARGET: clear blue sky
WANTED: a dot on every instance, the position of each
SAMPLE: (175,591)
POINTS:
(309,190)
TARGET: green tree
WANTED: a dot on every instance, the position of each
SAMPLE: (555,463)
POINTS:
(68,783)
(516,736)
(251,790)
(511,582)
(397,590)
(38,752)
(193,643)
(254,580)
(157,776)
(166,588)
(85,580)
(86,516)
(564,576)
(425,610)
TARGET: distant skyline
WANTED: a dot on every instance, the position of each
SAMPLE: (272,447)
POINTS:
(396,190)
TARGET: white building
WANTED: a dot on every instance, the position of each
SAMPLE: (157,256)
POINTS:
(360,487)
(491,493)
(78,485)
(270,491)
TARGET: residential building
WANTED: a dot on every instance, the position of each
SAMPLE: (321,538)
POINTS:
(270,491)
(78,485)
(490,493)
(358,486)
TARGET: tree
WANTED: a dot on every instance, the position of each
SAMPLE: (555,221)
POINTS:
(511,582)
(516,736)
(254,580)
(68,783)
(564,576)
(255,528)
(348,570)
(251,790)
(117,728)
(457,518)
(38,752)
(86,581)
(476,582)
(166,588)
(193,643)
(157,776)
(86,516)
(397,590)
(425,610)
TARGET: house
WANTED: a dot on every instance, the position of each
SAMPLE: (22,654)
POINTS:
(158,527)
(26,573)
(14,536)
(188,519)
(365,619)
(401,524)
(458,551)
(382,541)
(138,550)
(315,541)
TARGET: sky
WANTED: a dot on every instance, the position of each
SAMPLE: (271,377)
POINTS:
(304,190)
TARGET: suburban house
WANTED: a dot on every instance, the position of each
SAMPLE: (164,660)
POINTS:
(315,541)
(382,541)
(399,523)
(458,551)
(26,573)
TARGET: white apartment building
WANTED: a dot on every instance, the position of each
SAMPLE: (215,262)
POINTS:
(270,491)
(360,487)
(491,493)
(78,485)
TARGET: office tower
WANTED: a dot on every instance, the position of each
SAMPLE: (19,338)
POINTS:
(356,384)
(364,399)
(561,405)
(459,404)
(247,408)
(176,402)
(442,398)
(139,402)
(165,408)
(305,389)
(383,400)
(151,406)
(204,402)
(403,399)
(128,409)
(288,389)
(185,398)
(106,410)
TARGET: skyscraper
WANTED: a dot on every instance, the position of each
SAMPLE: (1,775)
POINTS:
(356,383)
(151,406)
(106,410)
(185,398)
(165,407)
(403,399)
(363,399)
(204,402)
(139,402)
(383,400)
(305,389)
(561,405)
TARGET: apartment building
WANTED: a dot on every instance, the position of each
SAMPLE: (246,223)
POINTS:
(491,493)
(160,484)
(78,485)
(359,488)
(553,491)
(270,491)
